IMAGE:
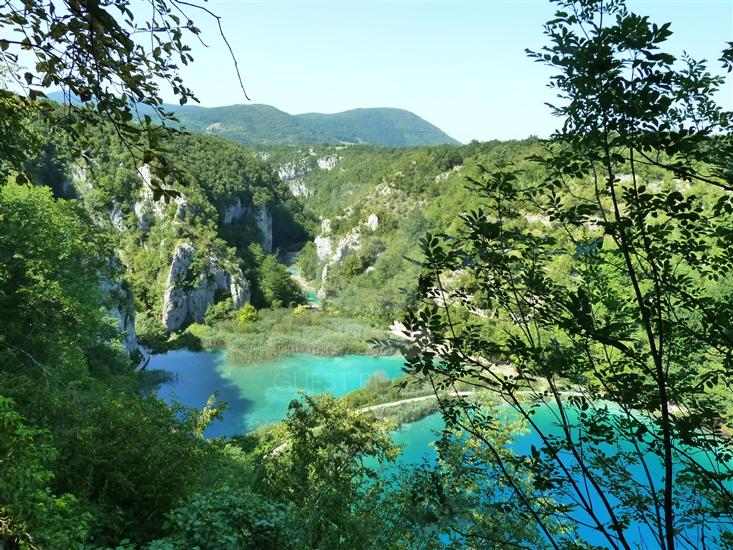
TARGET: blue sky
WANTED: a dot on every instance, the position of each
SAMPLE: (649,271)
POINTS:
(459,64)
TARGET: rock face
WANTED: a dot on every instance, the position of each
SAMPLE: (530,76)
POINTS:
(372,222)
(350,243)
(329,162)
(184,303)
(292,173)
(182,208)
(233,212)
(322,292)
(298,188)
(324,247)
(146,209)
(122,308)
(264,223)
(116,217)
(326,251)
(263,219)
(293,170)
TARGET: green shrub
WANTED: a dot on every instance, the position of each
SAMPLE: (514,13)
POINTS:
(229,518)
(220,311)
(246,315)
(308,261)
(150,331)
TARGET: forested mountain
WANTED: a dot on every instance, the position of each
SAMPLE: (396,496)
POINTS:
(203,240)
(264,124)
(249,124)
(372,203)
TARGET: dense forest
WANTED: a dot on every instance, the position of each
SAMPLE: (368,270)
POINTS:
(576,288)
(264,124)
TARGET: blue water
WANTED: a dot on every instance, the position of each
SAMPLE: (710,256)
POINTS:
(260,393)
(310,294)
(417,440)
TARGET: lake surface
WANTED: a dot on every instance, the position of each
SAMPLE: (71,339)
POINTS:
(260,393)
(310,293)
(417,440)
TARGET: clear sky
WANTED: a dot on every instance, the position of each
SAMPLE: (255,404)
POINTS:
(459,64)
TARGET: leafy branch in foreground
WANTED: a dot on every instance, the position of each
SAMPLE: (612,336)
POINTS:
(606,289)
(107,57)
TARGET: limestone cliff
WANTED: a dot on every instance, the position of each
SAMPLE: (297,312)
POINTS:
(262,217)
(121,306)
(188,295)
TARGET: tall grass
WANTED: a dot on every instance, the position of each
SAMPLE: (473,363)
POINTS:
(277,333)
(407,412)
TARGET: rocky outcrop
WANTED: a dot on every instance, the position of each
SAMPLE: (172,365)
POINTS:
(116,218)
(328,163)
(186,300)
(538,218)
(80,179)
(322,292)
(372,222)
(146,208)
(350,243)
(327,252)
(122,307)
(445,175)
(233,212)
(298,188)
(262,216)
(292,173)
(324,247)
(292,170)
(182,208)
(264,223)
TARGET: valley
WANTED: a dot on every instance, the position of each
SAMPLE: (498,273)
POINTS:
(236,328)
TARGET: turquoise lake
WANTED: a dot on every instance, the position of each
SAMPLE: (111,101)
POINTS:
(260,393)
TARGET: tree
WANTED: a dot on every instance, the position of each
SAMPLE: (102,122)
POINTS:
(131,460)
(277,287)
(51,261)
(327,471)
(30,515)
(463,500)
(105,57)
(612,313)
(229,518)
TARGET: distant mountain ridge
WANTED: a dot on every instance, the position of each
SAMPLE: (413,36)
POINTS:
(264,124)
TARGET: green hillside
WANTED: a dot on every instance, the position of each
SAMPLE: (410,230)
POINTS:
(264,124)
(255,124)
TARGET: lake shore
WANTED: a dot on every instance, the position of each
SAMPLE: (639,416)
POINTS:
(274,334)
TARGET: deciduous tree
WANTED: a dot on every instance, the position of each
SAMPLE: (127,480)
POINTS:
(606,291)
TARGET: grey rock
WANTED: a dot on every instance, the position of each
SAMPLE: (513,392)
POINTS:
(116,218)
(322,292)
(298,188)
(328,163)
(264,223)
(234,212)
(324,247)
(188,303)
(350,243)
(372,222)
